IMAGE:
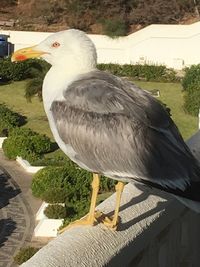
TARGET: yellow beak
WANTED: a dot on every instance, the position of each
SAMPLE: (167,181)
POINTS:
(26,53)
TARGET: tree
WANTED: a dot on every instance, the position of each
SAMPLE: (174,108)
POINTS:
(38,71)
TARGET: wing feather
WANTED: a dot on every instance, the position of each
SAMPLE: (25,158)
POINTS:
(118,129)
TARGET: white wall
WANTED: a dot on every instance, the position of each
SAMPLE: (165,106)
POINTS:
(175,46)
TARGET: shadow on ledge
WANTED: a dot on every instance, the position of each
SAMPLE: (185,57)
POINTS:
(146,192)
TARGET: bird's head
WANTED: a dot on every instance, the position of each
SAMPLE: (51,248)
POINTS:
(71,48)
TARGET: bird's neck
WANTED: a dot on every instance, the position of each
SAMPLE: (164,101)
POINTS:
(57,80)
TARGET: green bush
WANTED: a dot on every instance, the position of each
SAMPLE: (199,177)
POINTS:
(55,195)
(68,184)
(25,254)
(192,102)
(10,71)
(46,179)
(141,72)
(38,143)
(73,183)
(26,132)
(191,86)
(114,27)
(9,120)
(57,159)
(191,80)
(66,177)
(27,144)
(55,211)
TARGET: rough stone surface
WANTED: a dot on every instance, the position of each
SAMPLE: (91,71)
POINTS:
(97,246)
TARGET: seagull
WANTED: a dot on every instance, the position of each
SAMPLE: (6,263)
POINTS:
(109,126)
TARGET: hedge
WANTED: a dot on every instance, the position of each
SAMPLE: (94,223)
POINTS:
(32,68)
(57,159)
(191,86)
(142,72)
(10,71)
(25,254)
(26,143)
(67,184)
(55,211)
(9,120)
(72,183)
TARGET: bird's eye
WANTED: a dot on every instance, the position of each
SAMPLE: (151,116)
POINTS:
(55,44)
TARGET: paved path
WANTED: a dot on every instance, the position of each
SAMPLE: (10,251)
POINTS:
(17,209)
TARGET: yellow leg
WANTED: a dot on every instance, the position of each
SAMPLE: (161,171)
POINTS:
(112,223)
(92,217)
(95,190)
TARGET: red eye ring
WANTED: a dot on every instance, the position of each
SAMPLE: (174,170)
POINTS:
(55,44)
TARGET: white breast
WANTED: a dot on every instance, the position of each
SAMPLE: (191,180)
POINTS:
(55,83)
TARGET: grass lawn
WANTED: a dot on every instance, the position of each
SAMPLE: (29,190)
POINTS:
(172,95)
(13,96)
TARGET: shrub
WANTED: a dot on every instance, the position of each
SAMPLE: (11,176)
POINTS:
(19,146)
(114,27)
(47,178)
(107,184)
(55,195)
(9,120)
(57,159)
(55,211)
(191,80)
(191,85)
(141,72)
(73,183)
(27,144)
(66,177)
(10,71)
(68,184)
(192,102)
(25,254)
(26,132)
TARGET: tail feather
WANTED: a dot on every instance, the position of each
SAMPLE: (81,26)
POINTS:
(190,197)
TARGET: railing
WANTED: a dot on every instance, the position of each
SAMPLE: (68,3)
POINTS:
(155,230)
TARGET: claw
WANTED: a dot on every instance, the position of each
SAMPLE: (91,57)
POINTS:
(87,220)
(110,223)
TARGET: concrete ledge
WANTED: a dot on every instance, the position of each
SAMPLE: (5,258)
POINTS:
(142,216)
(1,141)
(40,214)
(27,166)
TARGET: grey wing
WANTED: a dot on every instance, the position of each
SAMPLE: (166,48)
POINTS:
(119,130)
